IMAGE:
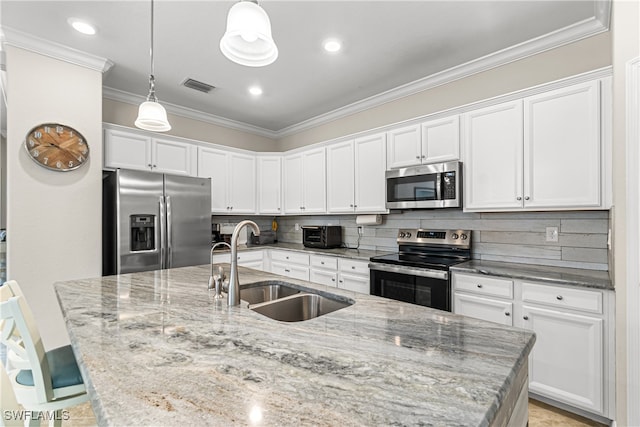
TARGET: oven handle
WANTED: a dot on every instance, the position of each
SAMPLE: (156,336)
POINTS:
(435,274)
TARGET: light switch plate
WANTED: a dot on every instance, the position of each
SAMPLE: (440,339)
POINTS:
(552,234)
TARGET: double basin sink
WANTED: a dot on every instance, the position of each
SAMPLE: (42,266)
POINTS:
(284,302)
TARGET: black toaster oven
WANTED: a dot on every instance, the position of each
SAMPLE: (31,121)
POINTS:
(322,236)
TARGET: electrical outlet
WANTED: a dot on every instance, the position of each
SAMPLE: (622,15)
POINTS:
(297,227)
(360,230)
(552,234)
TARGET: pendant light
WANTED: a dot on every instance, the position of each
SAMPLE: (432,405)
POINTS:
(248,39)
(151,115)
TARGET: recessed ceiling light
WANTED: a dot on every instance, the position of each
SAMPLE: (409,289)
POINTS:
(332,45)
(255,90)
(82,26)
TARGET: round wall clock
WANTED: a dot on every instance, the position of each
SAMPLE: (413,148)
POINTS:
(57,147)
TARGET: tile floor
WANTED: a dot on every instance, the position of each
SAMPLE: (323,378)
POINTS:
(540,415)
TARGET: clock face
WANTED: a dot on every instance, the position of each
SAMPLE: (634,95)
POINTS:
(57,147)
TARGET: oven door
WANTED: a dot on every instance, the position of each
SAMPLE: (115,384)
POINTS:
(429,288)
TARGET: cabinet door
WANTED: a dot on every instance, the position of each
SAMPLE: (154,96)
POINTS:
(315,183)
(489,309)
(213,164)
(493,157)
(404,147)
(441,140)
(242,186)
(323,277)
(354,283)
(566,363)
(370,165)
(172,157)
(270,185)
(562,148)
(126,150)
(340,175)
(292,183)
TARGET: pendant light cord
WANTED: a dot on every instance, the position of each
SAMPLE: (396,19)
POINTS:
(152,82)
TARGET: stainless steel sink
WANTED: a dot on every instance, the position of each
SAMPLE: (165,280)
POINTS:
(301,306)
(270,290)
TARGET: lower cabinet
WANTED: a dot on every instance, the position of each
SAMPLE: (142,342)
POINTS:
(344,273)
(573,357)
(290,264)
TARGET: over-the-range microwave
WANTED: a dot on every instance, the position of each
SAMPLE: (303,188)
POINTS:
(437,185)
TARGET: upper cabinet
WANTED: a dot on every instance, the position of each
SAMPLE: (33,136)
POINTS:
(541,152)
(130,150)
(430,142)
(233,180)
(270,185)
(356,175)
(304,182)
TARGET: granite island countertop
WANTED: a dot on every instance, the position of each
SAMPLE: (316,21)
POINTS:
(359,254)
(154,348)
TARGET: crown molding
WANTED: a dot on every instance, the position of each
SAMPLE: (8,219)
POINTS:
(190,113)
(587,28)
(13,37)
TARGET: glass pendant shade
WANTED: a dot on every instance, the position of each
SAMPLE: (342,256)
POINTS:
(152,116)
(248,40)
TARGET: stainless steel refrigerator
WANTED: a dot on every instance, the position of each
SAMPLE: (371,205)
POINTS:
(152,221)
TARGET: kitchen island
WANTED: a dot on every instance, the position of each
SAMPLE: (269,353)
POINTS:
(155,348)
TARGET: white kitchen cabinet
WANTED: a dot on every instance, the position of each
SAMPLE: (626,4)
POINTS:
(233,183)
(304,186)
(270,185)
(493,157)
(356,175)
(290,264)
(430,142)
(130,150)
(573,357)
(353,275)
(562,165)
(324,270)
(540,152)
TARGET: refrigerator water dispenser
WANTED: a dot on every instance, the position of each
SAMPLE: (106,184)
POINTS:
(142,232)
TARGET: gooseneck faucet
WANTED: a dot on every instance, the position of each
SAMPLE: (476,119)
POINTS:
(215,280)
(234,283)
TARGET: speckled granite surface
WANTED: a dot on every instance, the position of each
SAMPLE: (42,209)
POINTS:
(541,273)
(155,349)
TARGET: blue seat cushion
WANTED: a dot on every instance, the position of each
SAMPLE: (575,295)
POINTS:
(62,365)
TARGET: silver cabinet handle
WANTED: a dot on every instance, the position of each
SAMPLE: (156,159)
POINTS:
(322,262)
(519,198)
(288,271)
(150,165)
(417,157)
(423,156)
(351,205)
(526,197)
(479,286)
(353,267)
(506,313)
(169,233)
(559,298)
(525,317)
(333,279)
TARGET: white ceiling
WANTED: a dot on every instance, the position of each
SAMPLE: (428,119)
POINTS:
(386,44)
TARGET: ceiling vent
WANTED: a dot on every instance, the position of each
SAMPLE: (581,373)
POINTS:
(196,85)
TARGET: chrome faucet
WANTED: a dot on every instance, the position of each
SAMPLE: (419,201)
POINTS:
(234,283)
(215,280)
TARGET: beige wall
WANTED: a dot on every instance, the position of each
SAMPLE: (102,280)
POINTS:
(626,46)
(54,218)
(124,114)
(565,61)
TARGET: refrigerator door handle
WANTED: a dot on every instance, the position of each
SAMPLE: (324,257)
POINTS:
(163,233)
(169,232)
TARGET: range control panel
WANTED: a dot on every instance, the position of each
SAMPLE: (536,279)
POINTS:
(419,236)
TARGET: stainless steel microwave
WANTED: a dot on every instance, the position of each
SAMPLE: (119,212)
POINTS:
(437,185)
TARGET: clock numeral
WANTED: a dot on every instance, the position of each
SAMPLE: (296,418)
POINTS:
(59,129)
(32,142)
(37,134)
(80,141)
(70,133)
(58,164)
(84,151)
(70,164)
(80,159)
(47,129)
(45,160)
(35,153)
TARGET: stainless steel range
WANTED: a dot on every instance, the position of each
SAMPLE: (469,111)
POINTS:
(419,272)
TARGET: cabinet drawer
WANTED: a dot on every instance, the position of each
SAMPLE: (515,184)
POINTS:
(484,285)
(249,256)
(576,299)
(293,271)
(353,266)
(289,256)
(322,261)
(323,277)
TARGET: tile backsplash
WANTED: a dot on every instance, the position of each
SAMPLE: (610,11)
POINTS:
(513,237)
